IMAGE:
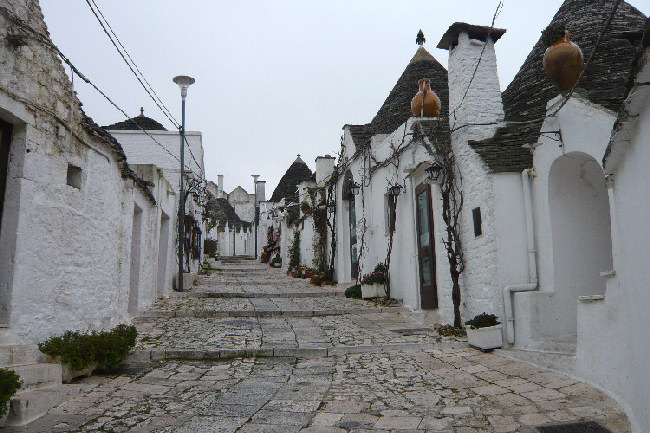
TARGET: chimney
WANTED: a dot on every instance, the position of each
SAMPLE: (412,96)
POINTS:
(219,185)
(482,102)
(261,191)
(324,168)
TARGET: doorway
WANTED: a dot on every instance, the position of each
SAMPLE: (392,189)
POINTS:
(5,294)
(426,248)
(354,252)
(135,259)
(163,245)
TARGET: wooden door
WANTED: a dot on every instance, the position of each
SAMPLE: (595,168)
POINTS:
(426,248)
(5,140)
(354,252)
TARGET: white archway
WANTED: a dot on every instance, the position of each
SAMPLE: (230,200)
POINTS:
(582,245)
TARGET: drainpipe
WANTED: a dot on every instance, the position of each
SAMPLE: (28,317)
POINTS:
(532,259)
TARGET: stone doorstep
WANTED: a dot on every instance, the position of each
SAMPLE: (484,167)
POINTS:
(15,355)
(29,405)
(146,356)
(266,313)
(39,375)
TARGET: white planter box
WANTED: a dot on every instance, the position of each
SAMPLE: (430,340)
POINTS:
(374,291)
(485,338)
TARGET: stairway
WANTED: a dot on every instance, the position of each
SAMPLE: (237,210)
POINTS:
(42,388)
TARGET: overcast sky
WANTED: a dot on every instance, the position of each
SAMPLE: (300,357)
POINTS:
(273,78)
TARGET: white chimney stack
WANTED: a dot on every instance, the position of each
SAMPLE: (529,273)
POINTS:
(324,168)
(474,93)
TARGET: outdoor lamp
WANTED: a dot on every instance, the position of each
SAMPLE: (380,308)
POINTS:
(434,171)
(354,188)
(395,190)
(183,82)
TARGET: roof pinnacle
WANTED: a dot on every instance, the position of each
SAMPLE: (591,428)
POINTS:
(420,40)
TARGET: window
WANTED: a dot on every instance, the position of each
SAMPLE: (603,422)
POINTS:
(74,176)
(389,214)
(476,214)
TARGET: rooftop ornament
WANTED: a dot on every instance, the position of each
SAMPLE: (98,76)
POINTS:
(420,40)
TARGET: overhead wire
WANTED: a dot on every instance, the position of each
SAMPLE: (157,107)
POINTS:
(49,44)
(133,67)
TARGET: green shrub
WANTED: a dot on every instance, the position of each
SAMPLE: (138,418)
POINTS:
(10,383)
(294,250)
(353,291)
(451,331)
(80,350)
(378,276)
(482,320)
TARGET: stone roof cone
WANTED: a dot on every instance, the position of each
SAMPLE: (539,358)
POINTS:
(296,173)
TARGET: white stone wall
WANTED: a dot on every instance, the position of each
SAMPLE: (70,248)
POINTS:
(243,203)
(615,327)
(164,152)
(64,251)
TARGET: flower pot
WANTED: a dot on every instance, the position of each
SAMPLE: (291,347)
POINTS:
(316,280)
(425,103)
(69,373)
(485,338)
(373,290)
(563,63)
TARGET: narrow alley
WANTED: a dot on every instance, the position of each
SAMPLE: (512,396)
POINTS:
(249,349)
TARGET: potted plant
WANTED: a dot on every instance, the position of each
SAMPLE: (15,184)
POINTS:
(10,383)
(373,284)
(484,331)
(317,278)
(276,262)
(305,208)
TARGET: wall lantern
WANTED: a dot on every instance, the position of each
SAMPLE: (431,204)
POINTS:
(355,188)
(395,190)
(434,171)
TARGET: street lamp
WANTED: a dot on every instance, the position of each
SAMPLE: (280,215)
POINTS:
(256,217)
(183,82)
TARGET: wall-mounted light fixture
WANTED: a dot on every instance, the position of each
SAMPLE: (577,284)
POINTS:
(395,190)
(355,188)
(434,171)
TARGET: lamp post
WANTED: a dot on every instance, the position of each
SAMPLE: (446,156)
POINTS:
(183,82)
(255,218)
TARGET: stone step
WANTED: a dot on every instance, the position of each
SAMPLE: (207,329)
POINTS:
(29,405)
(558,361)
(39,375)
(20,354)
(264,313)
(256,295)
(146,356)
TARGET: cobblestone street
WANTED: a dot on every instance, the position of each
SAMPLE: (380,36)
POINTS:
(249,349)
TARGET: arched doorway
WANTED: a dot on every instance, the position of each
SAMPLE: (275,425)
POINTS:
(582,244)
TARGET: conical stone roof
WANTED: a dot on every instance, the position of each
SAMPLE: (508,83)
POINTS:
(396,109)
(136,123)
(296,173)
(604,82)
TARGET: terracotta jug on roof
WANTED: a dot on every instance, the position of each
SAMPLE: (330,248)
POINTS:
(563,62)
(425,103)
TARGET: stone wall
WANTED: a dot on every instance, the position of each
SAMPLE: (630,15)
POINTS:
(66,234)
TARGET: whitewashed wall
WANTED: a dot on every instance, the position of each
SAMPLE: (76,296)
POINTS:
(64,251)
(552,311)
(615,327)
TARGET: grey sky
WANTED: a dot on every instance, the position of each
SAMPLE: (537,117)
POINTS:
(273,78)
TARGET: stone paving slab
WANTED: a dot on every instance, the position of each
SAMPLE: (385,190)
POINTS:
(411,390)
(289,332)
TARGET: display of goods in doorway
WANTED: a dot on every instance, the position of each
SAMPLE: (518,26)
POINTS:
(563,60)
(425,103)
